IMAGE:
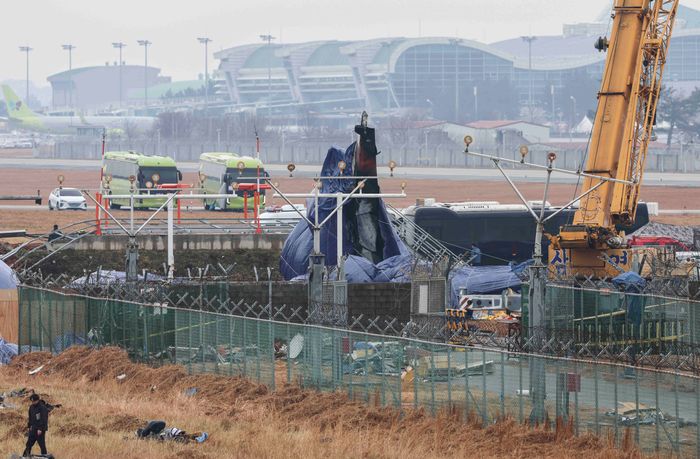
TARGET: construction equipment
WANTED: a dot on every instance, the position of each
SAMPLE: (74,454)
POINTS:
(627,102)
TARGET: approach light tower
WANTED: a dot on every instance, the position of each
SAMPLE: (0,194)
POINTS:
(26,50)
(205,41)
(120,46)
(69,47)
(145,44)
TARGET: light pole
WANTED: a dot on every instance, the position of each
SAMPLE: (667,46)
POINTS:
(387,45)
(145,44)
(455,42)
(476,103)
(551,92)
(529,40)
(70,49)
(26,50)
(573,113)
(268,38)
(205,41)
(119,45)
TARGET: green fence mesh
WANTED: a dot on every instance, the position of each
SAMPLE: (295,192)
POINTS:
(659,409)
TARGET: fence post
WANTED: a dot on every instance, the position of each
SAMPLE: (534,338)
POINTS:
(520,387)
(432,381)
(50,331)
(484,413)
(697,418)
(615,378)
(272,350)
(595,386)
(467,394)
(449,378)
(503,386)
(656,404)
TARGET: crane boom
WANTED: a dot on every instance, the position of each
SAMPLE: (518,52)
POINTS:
(622,129)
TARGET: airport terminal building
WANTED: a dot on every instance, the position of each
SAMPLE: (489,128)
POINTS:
(446,78)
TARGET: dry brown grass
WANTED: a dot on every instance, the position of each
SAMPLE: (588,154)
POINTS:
(245,420)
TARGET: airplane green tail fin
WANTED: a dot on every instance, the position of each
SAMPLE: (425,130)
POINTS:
(16,108)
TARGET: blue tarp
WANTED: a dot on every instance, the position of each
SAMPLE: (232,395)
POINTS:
(8,279)
(631,282)
(294,261)
(7,351)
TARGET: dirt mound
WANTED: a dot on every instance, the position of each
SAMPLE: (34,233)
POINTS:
(124,423)
(73,429)
(30,361)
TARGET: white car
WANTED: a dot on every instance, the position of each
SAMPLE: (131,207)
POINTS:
(67,198)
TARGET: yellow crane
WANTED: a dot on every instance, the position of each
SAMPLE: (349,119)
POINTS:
(622,129)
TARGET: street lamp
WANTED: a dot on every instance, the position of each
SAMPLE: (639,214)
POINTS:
(145,44)
(70,49)
(573,112)
(268,38)
(456,42)
(119,45)
(387,45)
(529,40)
(551,92)
(27,50)
(205,41)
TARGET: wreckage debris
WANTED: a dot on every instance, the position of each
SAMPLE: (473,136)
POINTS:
(156,430)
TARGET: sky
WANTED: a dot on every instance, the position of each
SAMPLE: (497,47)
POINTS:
(174,25)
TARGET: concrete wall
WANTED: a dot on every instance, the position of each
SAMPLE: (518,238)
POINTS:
(386,299)
(185,242)
(368,300)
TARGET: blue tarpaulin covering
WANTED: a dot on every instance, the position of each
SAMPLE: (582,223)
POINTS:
(7,351)
(8,279)
(631,282)
(294,261)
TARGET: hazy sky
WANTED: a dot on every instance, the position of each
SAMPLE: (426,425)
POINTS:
(174,25)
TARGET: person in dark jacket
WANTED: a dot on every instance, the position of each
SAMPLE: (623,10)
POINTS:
(37,425)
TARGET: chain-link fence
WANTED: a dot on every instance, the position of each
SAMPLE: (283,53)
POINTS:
(659,410)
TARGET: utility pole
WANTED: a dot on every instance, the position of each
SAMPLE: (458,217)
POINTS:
(268,38)
(119,45)
(205,41)
(145,44)
(529,40)
(69,47)
(26,50)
